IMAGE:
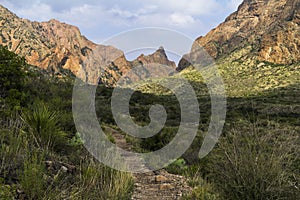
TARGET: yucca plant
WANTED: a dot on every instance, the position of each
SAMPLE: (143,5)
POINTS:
(42,126)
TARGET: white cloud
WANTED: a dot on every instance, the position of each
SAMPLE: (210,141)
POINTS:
(191,7)
(181,19)
(129,14)
(101,19)
(38,12)
(123,13)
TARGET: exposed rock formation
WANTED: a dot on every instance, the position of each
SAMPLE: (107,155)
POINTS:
(157,57)
(270,27)
(156,65)
(57,47)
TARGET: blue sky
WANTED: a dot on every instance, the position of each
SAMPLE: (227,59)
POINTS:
(100,19)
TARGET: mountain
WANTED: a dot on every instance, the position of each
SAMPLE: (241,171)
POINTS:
(156,65)
(263,30)
(58,47)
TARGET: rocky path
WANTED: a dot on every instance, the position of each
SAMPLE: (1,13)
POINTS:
(158,185)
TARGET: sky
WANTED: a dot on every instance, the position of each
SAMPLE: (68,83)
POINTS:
(100,19)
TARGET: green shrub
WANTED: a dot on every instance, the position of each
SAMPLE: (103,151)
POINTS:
(253,162)
(76,140)
(177,167)
(97,181)
(202,189)
(203,192)
(32,178)
(6,191)
(159,140)
(12,145)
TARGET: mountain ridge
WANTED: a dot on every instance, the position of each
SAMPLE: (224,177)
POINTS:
(269,28)
(260,30)
(57,46)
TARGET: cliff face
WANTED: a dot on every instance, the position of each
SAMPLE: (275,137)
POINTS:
(156,65)
(56,46)
(157,57)
(270,27)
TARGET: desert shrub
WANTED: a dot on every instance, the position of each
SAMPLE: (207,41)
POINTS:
(97,181)
(6,191)
(11,150)
(12,145)
(32,179)
(204,191)
(42,126)
(159,140)
(177,167)
(254,162)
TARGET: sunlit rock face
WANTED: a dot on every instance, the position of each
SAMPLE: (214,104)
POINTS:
(59,47)
(270,28)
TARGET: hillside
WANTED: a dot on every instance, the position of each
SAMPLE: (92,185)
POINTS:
(263,30)
(256,48)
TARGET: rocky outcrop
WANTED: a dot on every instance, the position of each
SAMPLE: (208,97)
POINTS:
(156,65)
(269,27)
(59,47)
(157,57)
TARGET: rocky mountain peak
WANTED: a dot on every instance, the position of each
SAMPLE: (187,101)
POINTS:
(269,28)
(159,56)
(155,65)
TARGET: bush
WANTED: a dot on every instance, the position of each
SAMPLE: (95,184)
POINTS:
(159,140)
(32,178)
(7,191)
(100,182)
(203,192)
(11,80)
(177,167)
(202,189)
(255,162)
(12,145)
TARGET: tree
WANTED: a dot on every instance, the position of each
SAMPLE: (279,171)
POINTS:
(12,76)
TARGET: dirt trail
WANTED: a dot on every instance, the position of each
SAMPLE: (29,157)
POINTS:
(158,185)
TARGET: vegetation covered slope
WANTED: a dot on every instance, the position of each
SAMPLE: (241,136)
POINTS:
(257,156)
(42,156)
